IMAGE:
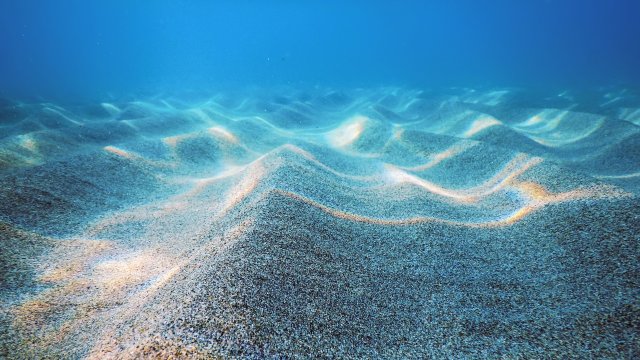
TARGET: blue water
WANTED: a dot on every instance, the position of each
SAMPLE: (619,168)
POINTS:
(80,48)
(305,179)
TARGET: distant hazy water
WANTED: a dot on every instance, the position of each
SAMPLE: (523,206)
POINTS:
(75,48)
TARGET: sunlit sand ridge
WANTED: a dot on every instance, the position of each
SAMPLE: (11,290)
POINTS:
(374,223)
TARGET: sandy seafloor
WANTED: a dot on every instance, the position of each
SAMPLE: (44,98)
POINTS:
(369,223)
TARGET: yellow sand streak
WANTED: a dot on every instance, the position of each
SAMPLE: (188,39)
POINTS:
(517,166)
(119,152)
(437,158)
(534,190)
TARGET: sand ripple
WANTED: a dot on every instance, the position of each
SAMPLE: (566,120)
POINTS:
(376,223)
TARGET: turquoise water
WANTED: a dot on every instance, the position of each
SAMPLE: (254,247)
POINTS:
(344,180)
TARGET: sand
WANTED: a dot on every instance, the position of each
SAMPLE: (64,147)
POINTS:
(370,223)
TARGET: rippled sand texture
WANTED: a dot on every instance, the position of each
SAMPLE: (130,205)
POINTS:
(383,223)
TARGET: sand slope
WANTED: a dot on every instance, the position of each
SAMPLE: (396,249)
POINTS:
(374,223)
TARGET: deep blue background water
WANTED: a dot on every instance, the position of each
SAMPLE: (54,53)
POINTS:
(78,47)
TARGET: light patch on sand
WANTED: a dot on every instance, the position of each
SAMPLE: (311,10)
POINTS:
(130,124)
(623,176)
(248,183)
(376,221)
(540,197)
(59,113)
(200,184)
(543,128)
(492,98)
(397,175)
(82,251)
(437,158)
(41,310)
(216,131)
(182,202)
(18,158)
(65,267)
(173,141)
(517,166)
(201,115)
(479,125)
(447,125)
(116,274)
(559,139)
(87,292)
(111,109)
(612,99)
(348,132)
(545,121)
(140,214)
(630,114)
(223,133)
(119,152)
(397,132)
(28,142)
(534,190)
(307,155)
(532,121)
(137,157)
(161,274)
(408,104)
(495,97)
(355,217)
